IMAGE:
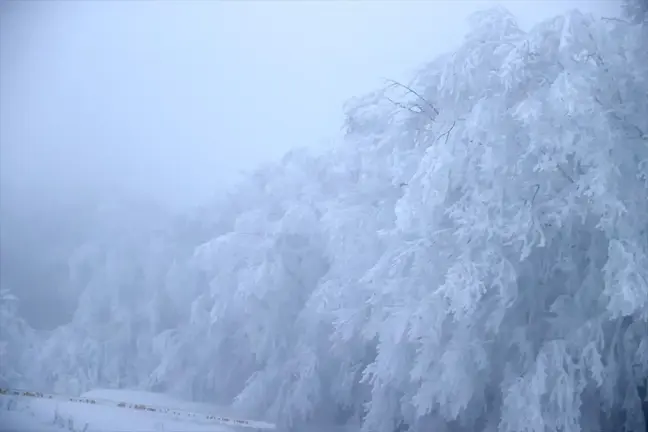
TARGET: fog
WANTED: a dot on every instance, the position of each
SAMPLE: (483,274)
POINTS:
(470,256)
(171,101)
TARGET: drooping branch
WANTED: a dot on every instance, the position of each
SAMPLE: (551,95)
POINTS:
(536,188)
(564,173)
(446,134)
(409,108)
(393,83)
(419,109)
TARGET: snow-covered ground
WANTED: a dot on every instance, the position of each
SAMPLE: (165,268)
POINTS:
(23,414)
(26,414)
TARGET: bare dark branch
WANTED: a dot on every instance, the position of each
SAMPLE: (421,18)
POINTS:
(409,89)
(535,193)
(564,173)
(447,133)
(408,108)
(615,19)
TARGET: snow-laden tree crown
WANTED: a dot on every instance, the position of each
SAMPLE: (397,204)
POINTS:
(472,256)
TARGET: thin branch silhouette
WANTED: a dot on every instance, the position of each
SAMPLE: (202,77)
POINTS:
(446,133)
(393,83)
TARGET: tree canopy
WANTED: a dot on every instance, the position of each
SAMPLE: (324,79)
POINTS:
(472,255)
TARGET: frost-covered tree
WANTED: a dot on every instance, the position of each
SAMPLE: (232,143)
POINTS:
(17,343)
(472,255)
(636,10)
(120,272)
(515,297)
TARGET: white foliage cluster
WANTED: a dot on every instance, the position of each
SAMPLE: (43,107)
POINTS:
(473,256)
(17,342)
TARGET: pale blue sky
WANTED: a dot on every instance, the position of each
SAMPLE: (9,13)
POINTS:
(171,99)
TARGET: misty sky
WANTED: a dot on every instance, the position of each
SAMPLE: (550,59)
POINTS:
(170,99)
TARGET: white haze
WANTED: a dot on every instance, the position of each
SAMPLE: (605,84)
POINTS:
(172,99)
(468,253)
(168,101)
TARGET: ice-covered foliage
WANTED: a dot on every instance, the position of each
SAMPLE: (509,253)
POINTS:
(473,255)
(17,343)
(636,10)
